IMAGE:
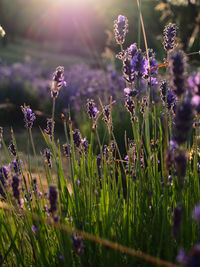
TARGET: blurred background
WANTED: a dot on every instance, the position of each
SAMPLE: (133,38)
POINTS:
(78,34)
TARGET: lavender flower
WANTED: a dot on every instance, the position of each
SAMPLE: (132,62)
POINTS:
(183,121)
(128,70)
(77,138)
(132,50)
(193,259)
(92,110)
(77,243)
(143,104)
(170,180)
(170,32)
(34,185)
(196,213)
(177,72)
(48,157)
(12,149)
(106,152)
(140,64)
(67,150)
(130,92)
(15,187)
(50,127)
(53,198)
(164,92)
(182,257)
(120,29)
(180,160)
(5,172)
(16,165)
(177,218)
(29,116)
(130,106)
(57,82)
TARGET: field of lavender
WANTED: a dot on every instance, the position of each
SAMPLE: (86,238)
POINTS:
(121,187)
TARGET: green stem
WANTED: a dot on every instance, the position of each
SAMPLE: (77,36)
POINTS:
(53,116)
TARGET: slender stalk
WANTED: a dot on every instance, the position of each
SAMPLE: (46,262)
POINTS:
(53,116)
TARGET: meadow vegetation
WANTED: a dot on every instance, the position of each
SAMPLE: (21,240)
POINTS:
(120,185)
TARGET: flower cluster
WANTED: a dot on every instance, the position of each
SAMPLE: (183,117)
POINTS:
(50,128)
(53,198)
(120,29)
(183,120)
(191,260)
(67,150)
(77,243)
(77,138)
(92,110)
(12,148)
(177,219)
(167,96)
(57,82)
(170,32)
(29,116)
(15,187)
(177,72)
(48,157)
(130,106)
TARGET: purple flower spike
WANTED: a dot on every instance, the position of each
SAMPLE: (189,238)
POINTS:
(120,29)
(183,121)
(16,165)
(29,116)
(12,149)
(48,157)
(53,198)
(67,150)
(177,72)
(130,106)
(50,127)
(128,70)
(182,257)
(57,82)
(130,92)
(77,244)
(193,259)
(177,219)
(140,64)
(77,138)
(15,187)
(170,32)
(92,110)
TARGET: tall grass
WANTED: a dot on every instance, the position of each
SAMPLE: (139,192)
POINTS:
(106,210)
